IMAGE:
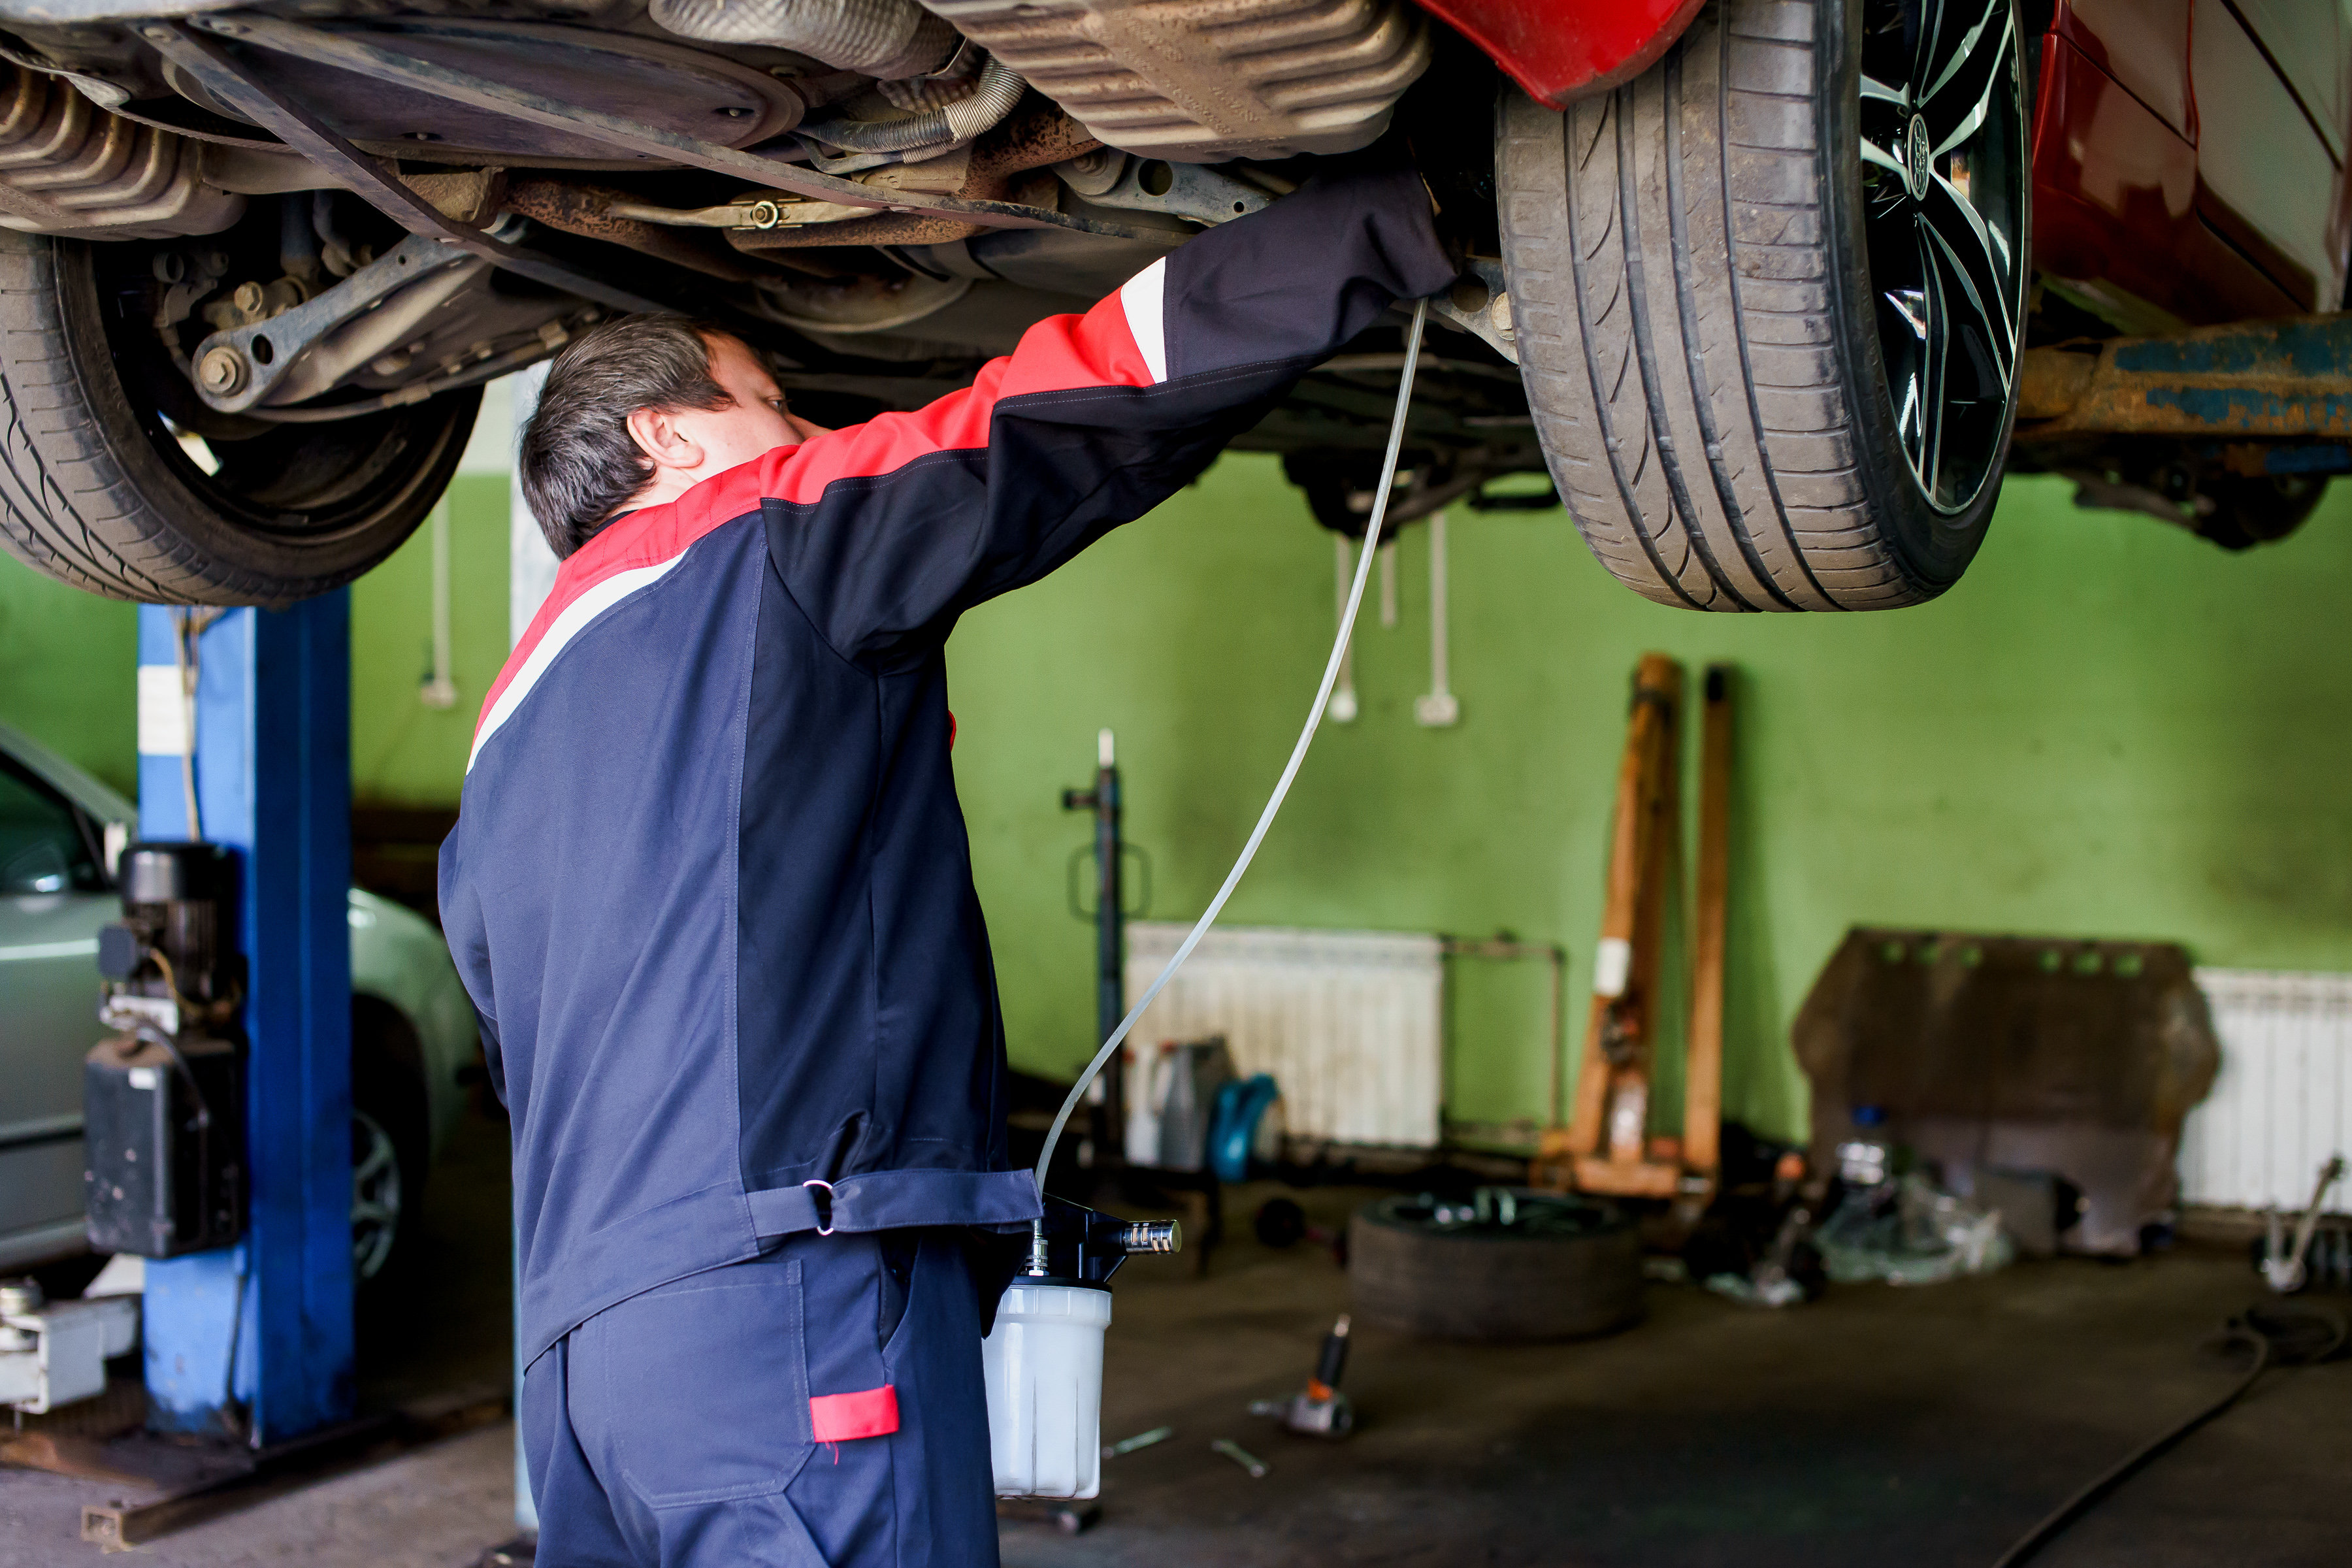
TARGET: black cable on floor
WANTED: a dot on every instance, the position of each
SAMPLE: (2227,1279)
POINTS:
(2279,1335)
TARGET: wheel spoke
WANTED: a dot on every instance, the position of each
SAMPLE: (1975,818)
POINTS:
(369,1212)
(1939,67)
(1978,258)
(1911,309)
(1937,366)
(1876,91)
(1978,108)
(1873,154)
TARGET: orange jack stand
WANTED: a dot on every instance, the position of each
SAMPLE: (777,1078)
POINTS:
(1604,1148)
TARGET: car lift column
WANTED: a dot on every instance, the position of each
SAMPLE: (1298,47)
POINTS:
(255,1341)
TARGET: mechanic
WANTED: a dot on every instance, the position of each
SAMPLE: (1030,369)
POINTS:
(711,894)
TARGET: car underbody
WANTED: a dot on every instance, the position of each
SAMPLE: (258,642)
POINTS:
(330,210)
(1753,289)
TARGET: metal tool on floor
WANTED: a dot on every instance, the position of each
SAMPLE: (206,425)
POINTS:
(2286,1266)
(1070,1518)
(1318,1410)
(1258,1468)
(1140,1440)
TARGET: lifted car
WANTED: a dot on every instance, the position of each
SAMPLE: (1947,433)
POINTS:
(1752,281)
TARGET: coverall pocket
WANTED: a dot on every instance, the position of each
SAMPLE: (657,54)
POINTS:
(706,1384)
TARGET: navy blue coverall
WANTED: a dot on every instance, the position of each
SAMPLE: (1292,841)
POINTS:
(711,895)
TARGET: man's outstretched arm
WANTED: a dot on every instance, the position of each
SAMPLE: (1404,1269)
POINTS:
(885,532)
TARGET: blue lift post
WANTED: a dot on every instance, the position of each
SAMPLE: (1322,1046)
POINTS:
(255,1341)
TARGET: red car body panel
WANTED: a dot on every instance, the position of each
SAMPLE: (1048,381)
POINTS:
(1563,49)
(2180,163)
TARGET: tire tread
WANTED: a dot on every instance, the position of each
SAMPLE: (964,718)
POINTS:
(1706,452)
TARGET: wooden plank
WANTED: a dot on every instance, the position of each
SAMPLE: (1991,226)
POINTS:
(1703,1062)
(1657,686)
(1626,1178)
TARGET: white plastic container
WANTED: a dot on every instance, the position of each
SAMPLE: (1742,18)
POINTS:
(1044,1365)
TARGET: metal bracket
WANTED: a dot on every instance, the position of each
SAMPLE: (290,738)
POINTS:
(303,132)
(344,51)
(1480,304)
(1152,185)
(242,366)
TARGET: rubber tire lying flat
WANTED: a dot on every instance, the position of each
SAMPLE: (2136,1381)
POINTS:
(1489,1284)
(95,492)
(1690,284)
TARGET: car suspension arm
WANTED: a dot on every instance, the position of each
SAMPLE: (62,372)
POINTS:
(345,52)
(303,132)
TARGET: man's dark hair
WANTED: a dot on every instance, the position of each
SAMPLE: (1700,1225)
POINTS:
(578,463)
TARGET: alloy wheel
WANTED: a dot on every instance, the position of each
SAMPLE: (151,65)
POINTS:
(1944,169)
(375,1196)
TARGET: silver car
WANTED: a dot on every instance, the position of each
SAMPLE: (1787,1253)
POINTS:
(412,1028)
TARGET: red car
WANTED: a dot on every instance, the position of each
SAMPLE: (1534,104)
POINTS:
(1755,281)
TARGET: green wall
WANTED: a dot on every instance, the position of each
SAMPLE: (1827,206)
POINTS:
(404,752)
(2109,728)
(66,663)
(66,659)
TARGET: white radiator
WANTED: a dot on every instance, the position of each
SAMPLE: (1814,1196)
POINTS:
(2282,1103)
(1349,1023)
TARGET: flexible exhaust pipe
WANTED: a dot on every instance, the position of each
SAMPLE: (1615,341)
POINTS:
(885,38)
(999,89)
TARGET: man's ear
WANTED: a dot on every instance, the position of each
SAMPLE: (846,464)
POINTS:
(656,434)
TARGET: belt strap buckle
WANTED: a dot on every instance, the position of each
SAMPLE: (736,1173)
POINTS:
(823,1206)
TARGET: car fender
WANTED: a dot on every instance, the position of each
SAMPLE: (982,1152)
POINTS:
(1562,50)
(399,959)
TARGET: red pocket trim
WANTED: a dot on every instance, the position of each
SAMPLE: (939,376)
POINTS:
(840,1417)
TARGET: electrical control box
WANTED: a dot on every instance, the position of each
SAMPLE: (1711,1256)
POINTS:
(164,1100)
(164,1142)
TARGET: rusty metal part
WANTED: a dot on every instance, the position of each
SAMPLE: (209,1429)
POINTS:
(890,228)
(2284,380)
(761,214)
(205,58)
(586,211)
(351,53)
(68,167)
(1022,145)
(1201,81)
(467,195)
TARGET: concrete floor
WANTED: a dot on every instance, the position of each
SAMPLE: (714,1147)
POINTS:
(1925,1427)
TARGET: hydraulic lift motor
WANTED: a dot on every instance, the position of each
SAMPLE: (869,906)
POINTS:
(163,1097)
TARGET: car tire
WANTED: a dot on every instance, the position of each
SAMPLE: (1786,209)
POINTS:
(1711,275)
(1574,1273)
(98,491)
(390,1138)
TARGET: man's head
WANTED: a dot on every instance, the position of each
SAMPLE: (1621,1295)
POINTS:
(637,412)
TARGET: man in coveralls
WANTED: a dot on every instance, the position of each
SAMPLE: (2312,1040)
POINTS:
(711,894)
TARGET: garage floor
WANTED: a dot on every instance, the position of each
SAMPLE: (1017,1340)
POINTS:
(1924,1427)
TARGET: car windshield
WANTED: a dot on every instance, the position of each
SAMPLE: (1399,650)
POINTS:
(42,847)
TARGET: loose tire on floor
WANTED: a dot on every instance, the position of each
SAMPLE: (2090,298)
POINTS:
(97,491)
(1567,1268)
(1744,282)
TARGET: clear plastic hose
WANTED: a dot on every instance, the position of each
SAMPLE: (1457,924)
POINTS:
(1298,752)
